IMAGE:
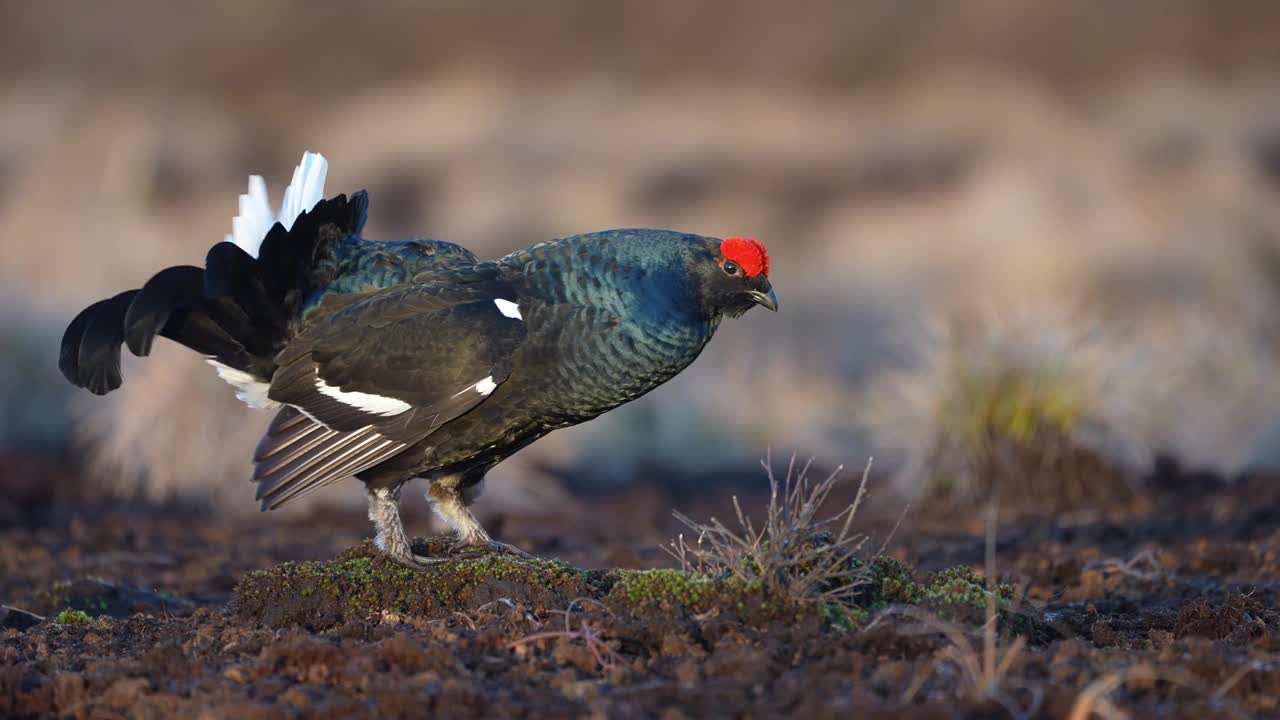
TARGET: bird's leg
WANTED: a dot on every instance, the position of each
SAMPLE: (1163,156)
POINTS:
(391,539)
(450,503)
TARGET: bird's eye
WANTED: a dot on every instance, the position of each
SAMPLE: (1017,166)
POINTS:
(731,267)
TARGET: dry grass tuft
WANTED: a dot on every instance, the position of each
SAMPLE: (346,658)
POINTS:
(809,557)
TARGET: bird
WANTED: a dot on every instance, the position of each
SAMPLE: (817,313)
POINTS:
(395,360)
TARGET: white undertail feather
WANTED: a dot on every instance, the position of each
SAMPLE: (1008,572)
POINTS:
(250,228)
(306,189)
(250,390)
(256,217)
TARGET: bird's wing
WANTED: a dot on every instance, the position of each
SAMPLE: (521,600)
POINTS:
(369,380)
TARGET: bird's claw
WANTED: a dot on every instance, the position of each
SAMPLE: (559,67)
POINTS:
(465,549)
(501,547)
(417,562)
(484,546)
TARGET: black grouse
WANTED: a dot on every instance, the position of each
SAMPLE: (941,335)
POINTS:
(396,360)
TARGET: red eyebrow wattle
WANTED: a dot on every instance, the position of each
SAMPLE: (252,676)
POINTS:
(749,253)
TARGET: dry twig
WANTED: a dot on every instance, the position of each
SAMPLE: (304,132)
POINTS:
(599,647)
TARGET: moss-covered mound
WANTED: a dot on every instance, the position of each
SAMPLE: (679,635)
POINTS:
(360,584)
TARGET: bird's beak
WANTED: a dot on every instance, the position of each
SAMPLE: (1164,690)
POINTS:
(768,299)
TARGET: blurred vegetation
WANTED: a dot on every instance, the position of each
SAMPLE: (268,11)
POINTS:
(1013,404)
(901,159)
(1015,410)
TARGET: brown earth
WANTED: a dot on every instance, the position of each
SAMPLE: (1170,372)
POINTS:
(1161,605)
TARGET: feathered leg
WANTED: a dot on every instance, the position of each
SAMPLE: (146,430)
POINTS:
(450,502)
(384,511)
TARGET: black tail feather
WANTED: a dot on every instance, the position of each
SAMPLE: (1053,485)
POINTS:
(69,351)
(175,288)
(236,310)
(98,361)
(198,331)
(233,277)
(287,258)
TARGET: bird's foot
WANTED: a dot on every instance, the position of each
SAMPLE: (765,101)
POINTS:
(501,547)
(400,552)
(483,545)
(416,562)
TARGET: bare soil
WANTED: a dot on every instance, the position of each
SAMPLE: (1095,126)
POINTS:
(1161,605)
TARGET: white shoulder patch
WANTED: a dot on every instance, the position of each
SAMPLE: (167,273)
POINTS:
(250,390)
(367,402)
(508,308)
(486,386)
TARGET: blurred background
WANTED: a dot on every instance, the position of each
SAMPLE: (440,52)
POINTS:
(1014,242)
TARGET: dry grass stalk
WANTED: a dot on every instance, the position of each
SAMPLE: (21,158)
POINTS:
(1094,700)
(810,557)
(986,673)
(1145,565)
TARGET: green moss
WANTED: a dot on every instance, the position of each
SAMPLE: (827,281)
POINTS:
(698,593)
(641,587)
(962,585)
(893,583)
(842,617)
(749,601)
(944,591)
(72,617)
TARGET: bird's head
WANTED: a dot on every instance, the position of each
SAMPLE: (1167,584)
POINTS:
(734,275)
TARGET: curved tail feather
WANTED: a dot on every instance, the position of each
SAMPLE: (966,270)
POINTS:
(237,310)
(151,308)
(90,352)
